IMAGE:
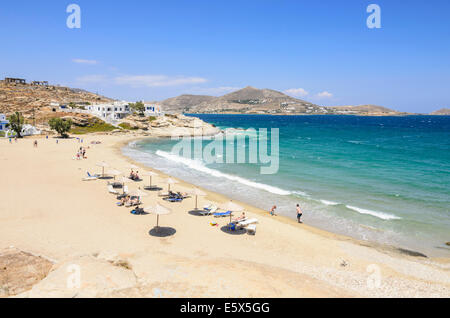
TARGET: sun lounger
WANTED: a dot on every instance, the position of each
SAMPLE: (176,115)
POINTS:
(111,190)
(130,204)
(251,229)
(222,214)
(248,222)
(163,194)
(90,177)
(208,212)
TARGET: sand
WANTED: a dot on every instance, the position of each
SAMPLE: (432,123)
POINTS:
(47,210)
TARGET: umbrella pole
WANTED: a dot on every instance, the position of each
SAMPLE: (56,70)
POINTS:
(157,222)
(196,202)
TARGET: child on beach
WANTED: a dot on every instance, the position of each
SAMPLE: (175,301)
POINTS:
(272,211)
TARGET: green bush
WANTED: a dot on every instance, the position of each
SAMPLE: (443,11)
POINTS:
(62,126)
(95,125)
(127,126)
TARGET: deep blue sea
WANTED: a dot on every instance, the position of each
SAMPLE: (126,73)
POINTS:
(383,179)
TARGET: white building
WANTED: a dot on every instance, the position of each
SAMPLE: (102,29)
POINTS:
(3,122)
(110,112)
(152,110)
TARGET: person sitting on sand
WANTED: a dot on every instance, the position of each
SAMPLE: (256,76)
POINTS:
(272,211)
(136,176)
(125,200)
(241,218)
(132,176)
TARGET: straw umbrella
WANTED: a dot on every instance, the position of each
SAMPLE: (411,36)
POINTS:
(171,181)
(124,180)
(197,192)
(114,173)
(158,210)
(231,206)
(150,174)
(103,164)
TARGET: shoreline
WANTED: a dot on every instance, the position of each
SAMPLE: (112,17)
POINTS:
(74,222)
(388,248)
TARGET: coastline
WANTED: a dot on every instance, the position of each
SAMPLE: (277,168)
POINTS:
(282,260)
(281,218)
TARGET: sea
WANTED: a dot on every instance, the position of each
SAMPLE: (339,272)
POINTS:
(380,179)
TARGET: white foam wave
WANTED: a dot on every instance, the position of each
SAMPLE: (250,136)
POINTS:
(377,214)
(329,202)
(199,166)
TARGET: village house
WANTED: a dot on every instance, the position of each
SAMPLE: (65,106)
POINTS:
(3,122)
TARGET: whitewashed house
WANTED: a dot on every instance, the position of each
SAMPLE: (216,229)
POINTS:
(3,122)
(110,112)
(152,110)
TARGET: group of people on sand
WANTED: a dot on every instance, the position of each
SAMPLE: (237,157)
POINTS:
(134,176)
(299,212)
(81,153)
(127,200)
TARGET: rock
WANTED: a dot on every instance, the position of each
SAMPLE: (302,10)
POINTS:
(448,243)
(85,277)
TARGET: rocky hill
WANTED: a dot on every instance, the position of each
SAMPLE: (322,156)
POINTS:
(251,100)
(248,100)
(441,112)
(364,110)
(36,101)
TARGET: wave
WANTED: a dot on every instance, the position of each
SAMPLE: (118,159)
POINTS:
(377,214)
(199,166)
(329,202)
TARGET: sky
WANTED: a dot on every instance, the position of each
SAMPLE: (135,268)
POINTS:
(317,50)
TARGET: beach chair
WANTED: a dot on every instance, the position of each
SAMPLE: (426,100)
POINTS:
(246,223)
(111,190)
(163,194)
(90,177)
(251,229)
(222,214)
(130,204)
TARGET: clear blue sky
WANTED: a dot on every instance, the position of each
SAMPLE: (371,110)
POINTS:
(320,50)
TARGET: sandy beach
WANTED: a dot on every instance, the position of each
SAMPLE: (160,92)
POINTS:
(47,210)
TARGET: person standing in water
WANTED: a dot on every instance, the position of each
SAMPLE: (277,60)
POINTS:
(272,211)
(299,214)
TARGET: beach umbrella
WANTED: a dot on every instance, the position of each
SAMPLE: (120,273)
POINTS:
(134,167)
(231,206)
(158,210)
(123,180)
(138,193)
(197,192)
(171,181)
(114,173)
(102,164)
(150,174)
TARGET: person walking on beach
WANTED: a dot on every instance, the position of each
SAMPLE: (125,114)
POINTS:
(35,144)
(299,214)
(272,211)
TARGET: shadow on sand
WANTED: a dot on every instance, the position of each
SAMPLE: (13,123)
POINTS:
(162,231)
(227,230)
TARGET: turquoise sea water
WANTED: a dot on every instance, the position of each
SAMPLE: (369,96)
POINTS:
(383,179)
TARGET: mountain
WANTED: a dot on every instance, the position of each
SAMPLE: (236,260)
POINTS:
(364,110)
(443,111)
(248,100)
(183,103)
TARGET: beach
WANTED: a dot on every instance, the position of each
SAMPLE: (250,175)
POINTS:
(46,209)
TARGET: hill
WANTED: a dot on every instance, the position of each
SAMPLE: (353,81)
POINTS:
(248,100)
(33,100)
(365,110)
(443,111)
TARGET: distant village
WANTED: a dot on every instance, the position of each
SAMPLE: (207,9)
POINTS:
(110,112)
